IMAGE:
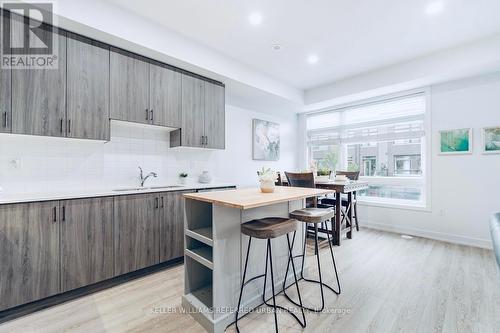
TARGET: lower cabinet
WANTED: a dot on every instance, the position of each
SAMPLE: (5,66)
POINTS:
(172,225)
(86,242)
(29,252)
(136,232)
(47,248)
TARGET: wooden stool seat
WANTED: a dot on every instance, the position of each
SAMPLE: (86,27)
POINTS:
(270,227)
(313,215)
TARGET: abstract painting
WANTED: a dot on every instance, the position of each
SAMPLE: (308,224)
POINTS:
(456,141)
(266,140)
(491,140)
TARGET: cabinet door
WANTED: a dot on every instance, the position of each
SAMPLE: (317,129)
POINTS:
(87,89)
(214,116)
(165,96)
(193,111)
(136,232)
(39,95)
(29,252)
(86,242)
(5,92)
(172,225)
(129,93)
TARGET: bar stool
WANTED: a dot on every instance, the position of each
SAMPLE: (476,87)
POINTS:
(269,228)
(313,216)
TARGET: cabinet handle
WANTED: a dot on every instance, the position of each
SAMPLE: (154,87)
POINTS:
(64,213)
(54,213)
(69,126)
(152,115)
(202,140)
(61,125)
(206,140)
(5,119)
(147,114)
(157,203)
(162,204)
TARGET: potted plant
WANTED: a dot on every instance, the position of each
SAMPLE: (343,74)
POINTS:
(183,178)
(267,179)
(323,175)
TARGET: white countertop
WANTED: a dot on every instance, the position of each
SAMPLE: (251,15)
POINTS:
(8,198)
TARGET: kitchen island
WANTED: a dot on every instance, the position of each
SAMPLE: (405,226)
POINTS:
(215,249)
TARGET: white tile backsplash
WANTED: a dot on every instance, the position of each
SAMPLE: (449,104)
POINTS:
(57,164)
(40,164)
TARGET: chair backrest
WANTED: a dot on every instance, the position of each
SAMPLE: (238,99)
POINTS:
(495,235)
(352,175)
(300,179)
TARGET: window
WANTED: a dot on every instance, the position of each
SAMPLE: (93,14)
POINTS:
(407,165)
(384,140)
(369,163)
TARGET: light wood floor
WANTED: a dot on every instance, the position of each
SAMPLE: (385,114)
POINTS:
(389,284)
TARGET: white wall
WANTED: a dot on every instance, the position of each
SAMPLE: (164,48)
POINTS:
(466,188)
(55,164)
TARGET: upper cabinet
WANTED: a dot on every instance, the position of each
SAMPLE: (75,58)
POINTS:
(87,89)
(214,116)
(94,82)
(193,113)
(39,94)
(165,91)
(203,115)
(5,93)
(129,99)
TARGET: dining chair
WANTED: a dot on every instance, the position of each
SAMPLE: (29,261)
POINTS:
(303,179)
(352,175)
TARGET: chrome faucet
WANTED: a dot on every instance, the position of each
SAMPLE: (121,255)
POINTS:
(143,179)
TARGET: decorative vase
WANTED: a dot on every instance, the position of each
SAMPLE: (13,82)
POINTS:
(183,180)
(205,177)
(267,186)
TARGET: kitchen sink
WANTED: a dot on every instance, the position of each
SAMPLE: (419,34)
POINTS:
(147,188)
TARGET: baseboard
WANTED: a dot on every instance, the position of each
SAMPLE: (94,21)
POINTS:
(450,238)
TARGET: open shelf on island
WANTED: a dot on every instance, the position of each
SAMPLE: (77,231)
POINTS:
(200,252)
(203,235)
(199,286)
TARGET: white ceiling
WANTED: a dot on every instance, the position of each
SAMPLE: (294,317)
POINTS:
(350,37)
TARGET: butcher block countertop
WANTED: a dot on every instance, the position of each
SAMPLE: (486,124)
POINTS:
(252,197)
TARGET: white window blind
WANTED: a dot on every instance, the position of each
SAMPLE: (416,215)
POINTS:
(394,119)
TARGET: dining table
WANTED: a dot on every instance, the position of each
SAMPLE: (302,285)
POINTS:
(341,187)
(346,187)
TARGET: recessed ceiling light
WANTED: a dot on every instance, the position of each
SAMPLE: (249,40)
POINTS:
(276,47)
(312,59)
(434,8)
(255,18)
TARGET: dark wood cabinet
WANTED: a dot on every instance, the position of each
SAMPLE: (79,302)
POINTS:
(192,129)
(165,91)
(5,91)
(87,89)
(171,225)
(39,94)
(86,242)
(136,232)
(129,87)
(214,116)
(29,252)
(203,115)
